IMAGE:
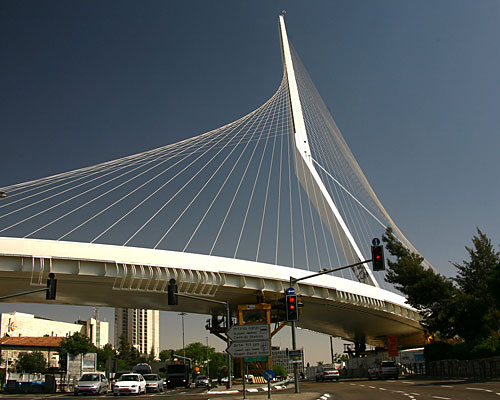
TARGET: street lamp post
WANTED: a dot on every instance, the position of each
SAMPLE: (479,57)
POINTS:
(208,365)
(183,345)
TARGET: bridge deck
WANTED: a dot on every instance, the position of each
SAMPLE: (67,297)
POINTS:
(118,276)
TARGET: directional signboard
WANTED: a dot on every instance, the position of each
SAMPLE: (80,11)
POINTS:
(259,348)
(252,332)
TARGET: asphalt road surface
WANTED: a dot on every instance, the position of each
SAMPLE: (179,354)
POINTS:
(352,389)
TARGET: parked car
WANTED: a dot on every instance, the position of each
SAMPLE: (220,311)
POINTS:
(142,368)
(327,374)
(383,370)
(203,381)
(153,383)
(92,383)
(130,384)
(117,375)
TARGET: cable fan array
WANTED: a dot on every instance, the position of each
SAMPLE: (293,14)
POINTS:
(230,192)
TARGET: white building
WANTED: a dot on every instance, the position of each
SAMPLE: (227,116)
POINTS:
(281,357)
(17,324)
(140,327)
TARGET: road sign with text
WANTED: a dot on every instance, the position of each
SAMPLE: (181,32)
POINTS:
(252,332)
(260,348)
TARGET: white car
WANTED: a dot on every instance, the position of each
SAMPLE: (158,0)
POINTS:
(130,384)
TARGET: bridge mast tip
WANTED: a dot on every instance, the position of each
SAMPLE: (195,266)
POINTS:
(283,13)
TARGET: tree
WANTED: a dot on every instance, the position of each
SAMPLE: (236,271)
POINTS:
(279,371)
(31,362)
(467,309)
(165,355)
(429,292)
(479,315)
(74,345)
(128,354)
(103,354)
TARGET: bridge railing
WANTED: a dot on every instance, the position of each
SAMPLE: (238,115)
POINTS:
(486,368)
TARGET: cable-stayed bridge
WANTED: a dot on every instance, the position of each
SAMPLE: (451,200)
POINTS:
(230,214)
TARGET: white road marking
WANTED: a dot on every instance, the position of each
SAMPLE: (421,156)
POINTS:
(439,397)
(446,386)
(484,390)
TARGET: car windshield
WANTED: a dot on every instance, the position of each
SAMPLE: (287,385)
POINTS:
(150,377)
(388,364)
(330,370)
(129,378)
(201,378)
(89,378)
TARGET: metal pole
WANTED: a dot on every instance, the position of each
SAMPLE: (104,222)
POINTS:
(183,345)
(229,372)
(208,365)
(331,347)
(245,373)
(295,369)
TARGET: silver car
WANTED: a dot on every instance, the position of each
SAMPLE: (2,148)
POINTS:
(91,383)
(383,370)
(153,383)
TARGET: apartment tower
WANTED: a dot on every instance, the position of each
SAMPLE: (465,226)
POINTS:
(140,327)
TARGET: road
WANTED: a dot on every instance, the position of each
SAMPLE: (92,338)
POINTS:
(352,389)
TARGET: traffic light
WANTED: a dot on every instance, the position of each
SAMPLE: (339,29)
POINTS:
(378,258)
(291,308)
(173,300)
(51,287)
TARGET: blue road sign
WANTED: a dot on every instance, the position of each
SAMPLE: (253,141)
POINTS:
(376,241)
(268,375)
(290,290)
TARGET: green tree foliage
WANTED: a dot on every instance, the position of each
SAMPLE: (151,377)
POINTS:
(73,345)
(165,354)
(31,362)
(429,292)
(128,355)
(464,307)
(197,352)
(76,344)
(279,371)
(107,351)
(476,279)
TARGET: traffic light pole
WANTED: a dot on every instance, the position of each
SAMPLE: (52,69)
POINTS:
(295,369)
(293,281)
(23,293)
(228,317)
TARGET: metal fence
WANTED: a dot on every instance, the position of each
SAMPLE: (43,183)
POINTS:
(487,368)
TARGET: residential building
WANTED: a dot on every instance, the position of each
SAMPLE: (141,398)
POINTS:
(16,324)
(140,327)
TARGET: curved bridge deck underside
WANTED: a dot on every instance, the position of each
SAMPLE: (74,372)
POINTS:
(117,276)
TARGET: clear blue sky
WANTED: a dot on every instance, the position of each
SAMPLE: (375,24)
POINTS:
(413,86)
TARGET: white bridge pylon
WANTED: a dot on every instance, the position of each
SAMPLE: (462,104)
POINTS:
(230,214)
(310,179)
